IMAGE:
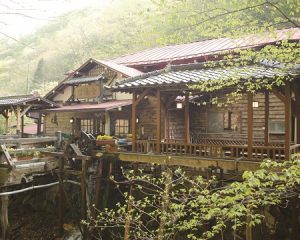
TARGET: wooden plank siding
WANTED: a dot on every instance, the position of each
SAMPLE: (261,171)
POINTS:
(146,111)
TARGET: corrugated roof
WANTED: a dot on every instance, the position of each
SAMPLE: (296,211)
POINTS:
(195,73)
(22,99)
(204,48)
(127,71)
(80,80)
(87,107)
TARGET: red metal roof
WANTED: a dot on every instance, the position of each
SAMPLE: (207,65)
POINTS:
(105,106)
(204,48)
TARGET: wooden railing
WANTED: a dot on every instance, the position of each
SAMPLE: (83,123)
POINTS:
(215,151)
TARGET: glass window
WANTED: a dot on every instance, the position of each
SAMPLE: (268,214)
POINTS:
(121,127)
(87,125)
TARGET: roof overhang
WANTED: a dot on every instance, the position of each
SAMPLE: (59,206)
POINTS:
(91,107)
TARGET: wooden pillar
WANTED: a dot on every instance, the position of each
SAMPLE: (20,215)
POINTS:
(18,118)
(250,125)
(158,120)
(39,125)
(99,184)
(288,119)
(165,204)
(249,235)
(266,118)
(83,194)
(133,121)
(4,216)
(186,119)
(22,126)
(167,124)
(61,196)
(129,213)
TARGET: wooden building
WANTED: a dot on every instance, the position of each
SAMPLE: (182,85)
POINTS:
(171,119)
(85,103)
(19,106)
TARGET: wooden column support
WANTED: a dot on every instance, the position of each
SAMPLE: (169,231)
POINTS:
(158,120)
(297,97)
(133,121)
(250,125)
(186,119)
(267,118)
(288,119)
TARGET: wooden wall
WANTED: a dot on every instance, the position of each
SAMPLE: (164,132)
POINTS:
(199,118)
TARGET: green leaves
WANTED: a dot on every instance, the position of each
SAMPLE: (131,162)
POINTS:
(195,208)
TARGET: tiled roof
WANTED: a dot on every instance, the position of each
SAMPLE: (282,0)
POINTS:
(195,50)
(22,99)
(195,73)
(87,107)
(80,80)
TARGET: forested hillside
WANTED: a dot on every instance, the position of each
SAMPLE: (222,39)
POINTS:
(41,59)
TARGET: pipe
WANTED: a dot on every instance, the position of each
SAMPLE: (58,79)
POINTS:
(37,187)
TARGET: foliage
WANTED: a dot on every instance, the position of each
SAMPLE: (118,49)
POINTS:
(191,207)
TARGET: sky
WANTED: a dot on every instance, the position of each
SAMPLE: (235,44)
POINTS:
(20,17)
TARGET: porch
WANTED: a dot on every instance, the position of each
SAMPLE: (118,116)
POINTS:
(170,119)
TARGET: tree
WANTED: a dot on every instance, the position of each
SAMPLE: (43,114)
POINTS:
(180,206)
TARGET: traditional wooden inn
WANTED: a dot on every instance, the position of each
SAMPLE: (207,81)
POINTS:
(85,104)
(257,126)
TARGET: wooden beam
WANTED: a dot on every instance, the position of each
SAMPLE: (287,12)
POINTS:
(186,119)
(25,110)
(142,96)
(250,125)
(83,195)
(267,103)
(278,94)
(133,121)
(288,116)
(190,161)
(158,120)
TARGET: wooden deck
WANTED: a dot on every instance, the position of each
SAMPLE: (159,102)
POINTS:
(228,157)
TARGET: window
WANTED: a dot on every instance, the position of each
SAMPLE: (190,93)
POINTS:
(277,127)
(121,127)
(223,121)
(87,125)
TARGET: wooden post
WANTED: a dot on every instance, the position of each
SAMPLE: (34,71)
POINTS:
(165,204)
(249,235)
(61,196)
(133,121)
(186,119)
(287,106)
(99,184)
(250,125)
(58,143)
(39,125)
(158,120)
(266,118)
(4,216)
(108,185)
(18,117)
(83,195)
(22,126)
(129,213)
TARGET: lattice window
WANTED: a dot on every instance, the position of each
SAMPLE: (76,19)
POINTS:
(121,127)
(87,125)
